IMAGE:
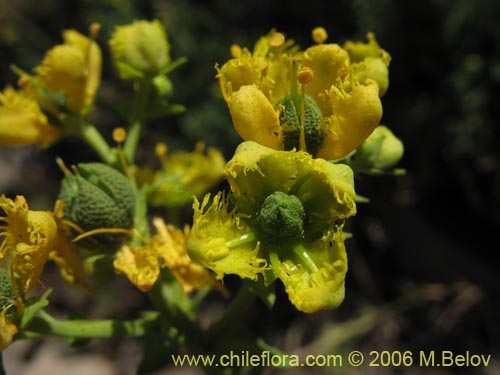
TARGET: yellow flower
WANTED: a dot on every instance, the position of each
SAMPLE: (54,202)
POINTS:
(327,112)
(140,49)
(369,61)
(30,239)
(286,221)
(170,243)
(7,330)
(141,265)
(22,122)
(72,69)
(184,175)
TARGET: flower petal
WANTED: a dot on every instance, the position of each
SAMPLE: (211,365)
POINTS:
(357,110)
(255,118)
(329,62)
(209,242)
(323,289)
(139,264)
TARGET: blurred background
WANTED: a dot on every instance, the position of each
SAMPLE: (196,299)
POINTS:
(423,270)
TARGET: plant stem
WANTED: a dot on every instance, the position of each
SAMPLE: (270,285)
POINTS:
(137,119)
(45,324)
(95,140)
(233,313)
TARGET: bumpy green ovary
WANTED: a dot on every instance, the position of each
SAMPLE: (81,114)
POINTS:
(290,118)
(98,197)
(6,292)
(280,219)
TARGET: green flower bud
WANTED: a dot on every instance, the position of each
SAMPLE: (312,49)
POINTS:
(380,151)
(163,86)
(140,49)
(98,196)
(6,292)
(281,218)
(290,122)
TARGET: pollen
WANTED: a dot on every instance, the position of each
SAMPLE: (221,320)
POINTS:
(319,35)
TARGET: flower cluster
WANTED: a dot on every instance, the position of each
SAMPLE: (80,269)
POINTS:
(305,116)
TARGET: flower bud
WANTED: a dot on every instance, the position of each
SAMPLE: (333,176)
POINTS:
(381,150)
(97,197)
(140,49)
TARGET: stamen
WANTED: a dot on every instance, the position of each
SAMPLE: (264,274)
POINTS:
(94,29)
(199,147)
(277,40)
(119,135)
(236,51)
(304,76)
(161,150)
(103,230)
(62,166)
(303,255)
(319,35)
(242,240)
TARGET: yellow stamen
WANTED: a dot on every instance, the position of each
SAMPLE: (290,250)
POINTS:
(199,147)
(304,76)
(102,230)
(94,29)
(319,35)
(161,150)
(277,40)
(119,135)
(236,51)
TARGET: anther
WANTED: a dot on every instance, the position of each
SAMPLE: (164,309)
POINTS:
(319,35)
(305,75)
(94,29)
(236,51)
(119,135)
(161,149)
(277,40)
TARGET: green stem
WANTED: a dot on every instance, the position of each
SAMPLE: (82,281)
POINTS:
(45,324)
(95,140)
(233,313)
(137,119)
(175,306)
(141,224)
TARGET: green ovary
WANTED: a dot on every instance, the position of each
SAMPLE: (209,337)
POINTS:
(280,219)
(290,120)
